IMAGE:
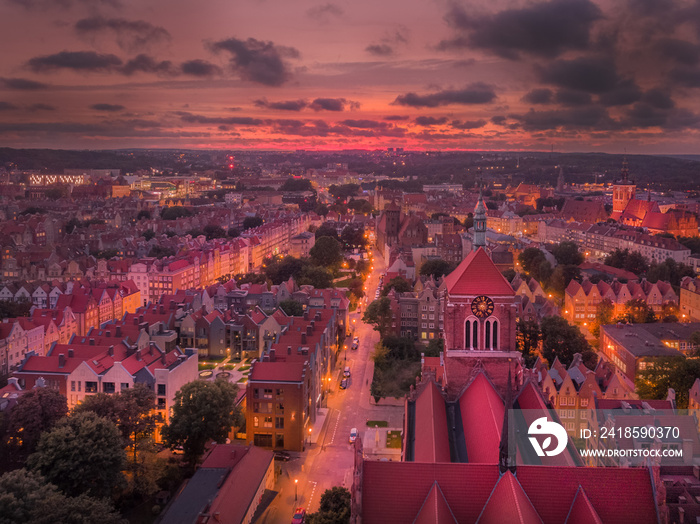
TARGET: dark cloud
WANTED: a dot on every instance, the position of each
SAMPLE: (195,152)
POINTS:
(468,124)
(258,61)
(624,93)
(589,74)
(593,117)
(7,106)
(659,99)
(477,93)
(430,121)
(538,96)
(499,120)
(40,107)
(131,35)
(109,129)
(22,84)
(200,68)
(544,29)
(686,76)
(366,124)
(43,5)
(286,105)
(76,60)
(333,104)
(396,118)
(147,64)
(380,49)
(324,12)
(572,98)
(233,120)
(107,107)
(644,115)
(681,51)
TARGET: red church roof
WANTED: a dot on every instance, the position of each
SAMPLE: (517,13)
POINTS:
(509,503)
(435,509)
(477,274)
(432,443)
(482,411)
(582,511)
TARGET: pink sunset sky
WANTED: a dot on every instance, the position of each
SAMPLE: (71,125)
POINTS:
(578,75)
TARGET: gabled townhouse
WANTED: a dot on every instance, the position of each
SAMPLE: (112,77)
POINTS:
(13,345)
(84,307)
(64,320)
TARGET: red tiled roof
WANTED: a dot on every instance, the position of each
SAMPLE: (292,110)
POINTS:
(277,371)
(435,509)
(432,443)
(509,503)
(477,274)
(582,511)
(482,411)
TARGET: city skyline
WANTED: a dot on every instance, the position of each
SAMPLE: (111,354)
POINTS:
(571,75)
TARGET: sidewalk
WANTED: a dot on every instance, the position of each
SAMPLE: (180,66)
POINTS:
(317,428)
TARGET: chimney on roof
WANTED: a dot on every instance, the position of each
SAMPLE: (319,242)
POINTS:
(272,355)
(161,308)
(138,354)
(163,359)
(289,350)
(136,320)
(306,315)
(141,317)
(309,330)
(61,360)
(313,325)
(110,351)
(318,315)
(118,331)
(92,342)
(150,348)
(71,353)
(303,338)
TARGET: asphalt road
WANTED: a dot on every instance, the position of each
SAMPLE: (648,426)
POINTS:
(329,462)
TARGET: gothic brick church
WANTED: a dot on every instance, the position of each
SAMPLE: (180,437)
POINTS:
(460,462)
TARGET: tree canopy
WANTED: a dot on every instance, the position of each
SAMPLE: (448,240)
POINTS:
(297,184)
(82,454)
(678,373)
(561,340)
(632,261)
(251,222)
(437,268)
(36,411)
(534,263)
(379,315)
(292,307)
(326,230)
(326,252)
(334,508)
(343,191)
(202,412)
(398,284)
(567,253)
(527,337)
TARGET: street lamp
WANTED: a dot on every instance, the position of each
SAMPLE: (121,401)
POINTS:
(310,436)
(296,481)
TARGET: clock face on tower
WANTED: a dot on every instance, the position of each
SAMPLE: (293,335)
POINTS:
(482,306)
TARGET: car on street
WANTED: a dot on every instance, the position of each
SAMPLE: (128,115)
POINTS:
(356,340)
(353,435)
(346,371)
(299,516)
(354,346)
(344,384)
(282,456)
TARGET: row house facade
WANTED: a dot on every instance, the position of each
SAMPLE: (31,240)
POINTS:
(690,299)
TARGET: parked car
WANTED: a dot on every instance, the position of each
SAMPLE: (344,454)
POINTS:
(282,456)
(353,435)
(346,371)
(356,340)
(299,516)
(344,384)
(354,346)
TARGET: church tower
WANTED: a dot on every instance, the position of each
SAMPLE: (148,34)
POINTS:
(624,190)
(479,224)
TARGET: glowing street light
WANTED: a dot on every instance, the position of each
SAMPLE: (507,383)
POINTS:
(296,481)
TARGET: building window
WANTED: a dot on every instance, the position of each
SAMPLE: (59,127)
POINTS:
(161,403)
(279,422)
(280,407)
(125,386)
(90,387)
(108,387)
(256,422)
(72,385)
(268,393)
(161,390)
(267,422)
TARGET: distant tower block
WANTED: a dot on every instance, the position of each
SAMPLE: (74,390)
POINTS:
(623,191)
(560,180)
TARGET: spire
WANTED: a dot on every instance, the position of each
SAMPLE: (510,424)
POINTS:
(479,223)
(648,194)
(506,451)
(625,170)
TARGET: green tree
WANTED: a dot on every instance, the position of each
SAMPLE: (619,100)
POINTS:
(639,312)
(251,222)
(435,347)
(202,412)
(361,206)
(562,340)
(26,497)
(71,225)
(532,261)
(213,231)
(297,184)
(352,237)
(631,261)
(14,309)
(321,209)
(334,507)
(527,338)
(567,254)
(144,213)
(233,232)
(81,454)
(398,284)
(292,307)
(149,234)
(379,315)
(343,191)
(694,341)
(318,277)
(604,314)
(662,373)
(326,230)
(161,252)
(36,411)
(174,212)
(437,268)
(562,276)
(326,252)
(469,221)
(279,271)
(669,271)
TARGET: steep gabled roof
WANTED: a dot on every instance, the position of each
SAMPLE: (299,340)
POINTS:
(582,511)
(509,503)
(482,411)
(435,509)
(477,274)
(432,442)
